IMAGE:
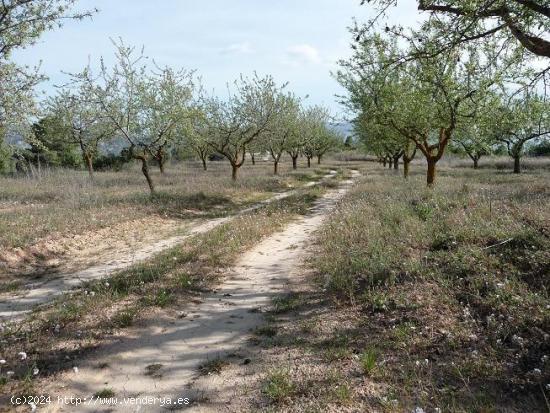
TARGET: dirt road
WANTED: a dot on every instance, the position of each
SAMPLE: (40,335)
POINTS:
(161,357)
(15,305)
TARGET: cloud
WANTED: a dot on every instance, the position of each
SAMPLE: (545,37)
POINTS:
(238,48)
(304,53)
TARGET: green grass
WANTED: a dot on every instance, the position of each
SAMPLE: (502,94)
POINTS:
(368,361)
(278,386)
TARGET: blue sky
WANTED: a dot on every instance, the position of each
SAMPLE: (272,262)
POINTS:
(297,41)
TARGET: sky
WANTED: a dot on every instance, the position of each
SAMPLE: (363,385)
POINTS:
(296,41)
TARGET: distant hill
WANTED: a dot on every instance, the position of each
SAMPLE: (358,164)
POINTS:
(344,128)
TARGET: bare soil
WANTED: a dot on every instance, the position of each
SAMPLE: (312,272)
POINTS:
(39,274)
(177,353)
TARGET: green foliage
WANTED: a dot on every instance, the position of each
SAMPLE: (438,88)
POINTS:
(114,162)
(49,144)
(237,123)
(540,149)
(405,104)
(6,158)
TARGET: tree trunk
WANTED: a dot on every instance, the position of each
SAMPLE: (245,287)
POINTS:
(430,176)
(384,162)
(161,161)
(390,163)
(204,163)
(252,158)
(517,164)
(295,162)
(145,170)
(395,163)
(308,161)
(89,165)
(234,170)
(319,159)
(406,163)
(476,160)
(276,168)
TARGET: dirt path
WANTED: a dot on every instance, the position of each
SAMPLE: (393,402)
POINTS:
(14,306)
(161,358)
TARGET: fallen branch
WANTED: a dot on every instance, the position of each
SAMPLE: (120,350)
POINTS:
(500,243)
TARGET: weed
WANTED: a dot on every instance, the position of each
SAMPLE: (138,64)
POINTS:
(124,318)
(286,303)
(185,281)
(154,370)
(278,386)
(368,361)
(267,331)
(105,393)
(342,393)
(162,298)
(212,366)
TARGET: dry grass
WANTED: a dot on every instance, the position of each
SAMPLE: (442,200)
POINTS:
(65,202)
(57,335)
(423,300)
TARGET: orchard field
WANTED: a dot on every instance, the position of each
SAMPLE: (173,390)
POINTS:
(313,206)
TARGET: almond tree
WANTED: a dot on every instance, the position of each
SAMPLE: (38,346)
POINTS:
(521,119)
(242,118)
(22,22)
(294,145)
(386,143)
(17,99)
(313,129)
(195,132)
(471,140)
(424,100)
(164,101)
(523,23)
(142,106)
(84,122)
(326,140)
(284,128)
